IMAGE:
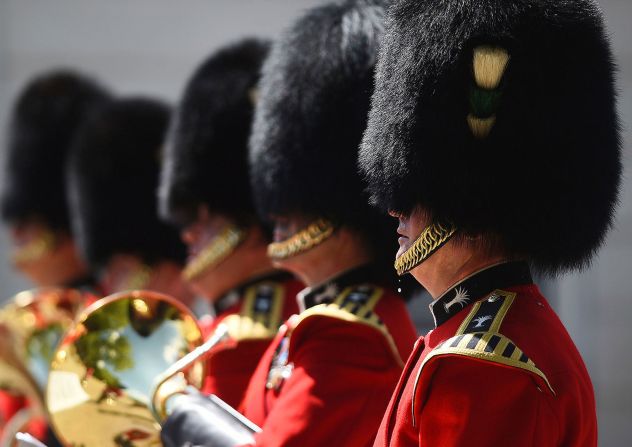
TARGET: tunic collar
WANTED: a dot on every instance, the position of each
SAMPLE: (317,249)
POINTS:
(327,291)
(233,296)
(476,286)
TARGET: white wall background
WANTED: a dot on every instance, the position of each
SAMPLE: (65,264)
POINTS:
(151,47)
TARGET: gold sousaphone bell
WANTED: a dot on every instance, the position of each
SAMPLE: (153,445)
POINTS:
(31,325)
(114,373)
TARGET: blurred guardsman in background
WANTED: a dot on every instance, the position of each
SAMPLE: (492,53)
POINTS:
(205,190)
(493,137)
(45,117)
(113,172)
(327,377)
(44,120)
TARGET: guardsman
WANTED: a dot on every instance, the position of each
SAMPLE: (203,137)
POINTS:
(327,377)
(45,117)
(113,173)
(205,190)
(493,137)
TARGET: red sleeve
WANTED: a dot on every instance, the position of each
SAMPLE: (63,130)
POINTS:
(469,402)
(229,370)
(338,391)
(9,405)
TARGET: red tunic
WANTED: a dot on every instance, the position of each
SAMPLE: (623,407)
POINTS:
(498,370)
(253,321)
(10,405)
(327,377)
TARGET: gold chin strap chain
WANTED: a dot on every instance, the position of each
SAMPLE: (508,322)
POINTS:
(309,237)
(217,250)
(35,249)
(429,241)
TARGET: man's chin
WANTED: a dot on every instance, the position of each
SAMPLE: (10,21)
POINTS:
(401,251)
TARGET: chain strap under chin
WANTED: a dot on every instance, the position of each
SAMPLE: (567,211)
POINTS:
(314,234)
(217,250)
(429,241)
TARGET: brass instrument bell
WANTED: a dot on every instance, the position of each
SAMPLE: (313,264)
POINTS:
(31,325)
(109,368)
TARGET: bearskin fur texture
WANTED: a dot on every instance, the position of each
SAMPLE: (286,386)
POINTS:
(315,95)
(545,180)
(45,117)
(113,179)
(207,146)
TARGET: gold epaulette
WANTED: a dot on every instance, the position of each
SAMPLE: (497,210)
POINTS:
(489,346)
(479,337)
(260,314)
(355,305)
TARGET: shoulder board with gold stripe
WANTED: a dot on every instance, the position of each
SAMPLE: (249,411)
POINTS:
(355,305)
(260,314)
(487,315)
(478,337)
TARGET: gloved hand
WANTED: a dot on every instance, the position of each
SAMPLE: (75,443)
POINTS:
(199,420)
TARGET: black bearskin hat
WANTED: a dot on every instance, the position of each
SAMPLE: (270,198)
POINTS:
(46,114)
(315,94)
(207,146)
(499,117)
(113,177)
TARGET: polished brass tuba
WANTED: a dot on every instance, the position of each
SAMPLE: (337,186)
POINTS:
(31,325)
(114,373)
